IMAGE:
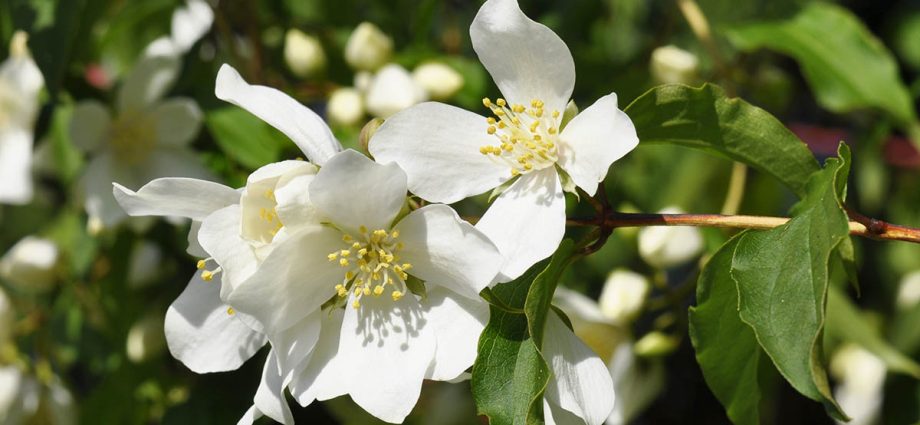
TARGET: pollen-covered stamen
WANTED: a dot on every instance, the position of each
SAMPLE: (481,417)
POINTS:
(372,267)
(270,215)
(527,135)
(207,275)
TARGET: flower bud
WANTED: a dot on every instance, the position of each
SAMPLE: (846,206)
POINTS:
(363,81)
(439,80)
(668,246)
(367,132)
(30,264)
(391,91)
(368,48)
(656,344)
(345,106)
(623,295)
(303,53)
(909,291)
(146,338)
(672,65)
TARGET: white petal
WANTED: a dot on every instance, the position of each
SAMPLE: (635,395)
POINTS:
(257,199)
(194,248)
(445,250)
(354,191)
(578,307)
(387,347)
(302,125)
(15,165)
(320,378)
(90,125)
(190,23)
(555,415)
(96,186)
(438,146)
(177,121)
(391,91)
(456,323)
(295,344)
(220,237)
(295,209)
(150,79)
(182,197)
(203,335)
(22,73)
(269,399)
(526,59)
(297,279)
(175,162)
(162,46)
(527,221)
(580,382)
(593,140)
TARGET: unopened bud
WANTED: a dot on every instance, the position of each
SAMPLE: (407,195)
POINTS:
(673,65)
(345,106)
(668,246)
(303,53)
(392,91)
(909,291)
(30,264)
(146,338)
(623,295)
(368,48)
(368,132)
(439,80)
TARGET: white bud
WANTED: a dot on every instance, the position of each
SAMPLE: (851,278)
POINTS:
(623,295)
(391,91)
(363,81)
(668,246)
(671,65)
(345,106)
(30,264)
(303,53)
(861,376)
(368,48)
(146,338)
(656,344)
(909,290)
(439,80)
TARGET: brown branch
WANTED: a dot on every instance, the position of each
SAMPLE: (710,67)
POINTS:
(861,226)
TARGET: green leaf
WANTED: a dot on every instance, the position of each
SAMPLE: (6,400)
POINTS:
(846,322)
(704,118)
(244,137)
(726,347)
(540,294)
(847,67)
(782,277)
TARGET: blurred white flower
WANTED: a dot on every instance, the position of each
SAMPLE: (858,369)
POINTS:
(450,154)
(144,263)
(368,48)
(11,383)
(20,83)
(345,106)
(673,65)
(146,338)
(146,139)
(669,246)
(439,80)
(909,291)
(363,81)
(392,90)
(303,53)
(30,265)
(23,399)
(189,24)
(7,319)
(623,295)
(861,376)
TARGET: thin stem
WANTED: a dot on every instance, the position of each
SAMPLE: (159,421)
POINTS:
(861,226)
(700,27)
(735,189)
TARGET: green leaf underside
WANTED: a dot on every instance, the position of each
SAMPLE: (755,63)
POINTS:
(846,66)
(846,322)
(726,347)
(704,118)
(510,374)
(782,278)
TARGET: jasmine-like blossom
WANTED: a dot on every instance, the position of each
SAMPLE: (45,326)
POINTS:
(20,83)
(189,24)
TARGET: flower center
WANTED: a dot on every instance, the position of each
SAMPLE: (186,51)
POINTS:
(527,136)
(371,264)
(132,137)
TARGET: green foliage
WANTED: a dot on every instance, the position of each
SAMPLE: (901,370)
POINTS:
(704,118)
(245,138)
(847,67)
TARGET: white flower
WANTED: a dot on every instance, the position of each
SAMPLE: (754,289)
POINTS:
(908,291)
(23,399)
(439,80)
(303,53)
(146,139)
(30,264)
(387,339)
(391,90)
(623,295)
(20,83)
(669,246)
(450,154)
(189,24)
(346,106)
(861,377)
(673,65)
(368,48)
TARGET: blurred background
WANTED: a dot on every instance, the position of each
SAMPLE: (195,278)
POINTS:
(85,289)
